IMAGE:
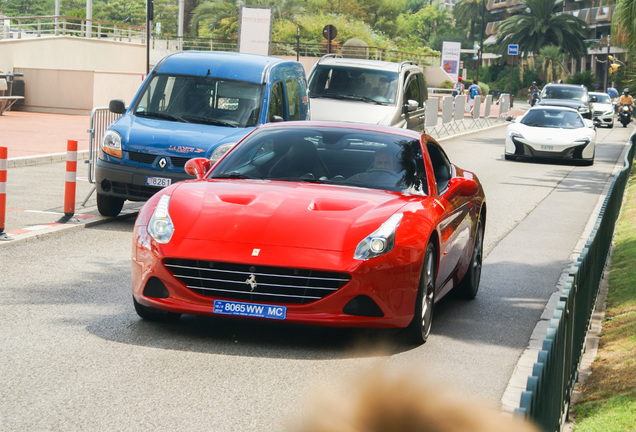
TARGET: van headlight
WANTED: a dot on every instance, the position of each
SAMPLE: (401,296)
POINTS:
(111,144)
(160,226)
(220,151)
(380,241)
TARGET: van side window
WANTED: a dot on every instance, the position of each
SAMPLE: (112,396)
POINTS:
(293,99)
(413,90)
(276,102)
(441,167)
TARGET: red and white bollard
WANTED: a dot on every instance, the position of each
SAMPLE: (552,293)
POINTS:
(3,191)
(70,185)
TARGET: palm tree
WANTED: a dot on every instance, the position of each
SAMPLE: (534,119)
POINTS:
(625,22)
(226,11)
(551,62)
(469,11)
(539,25)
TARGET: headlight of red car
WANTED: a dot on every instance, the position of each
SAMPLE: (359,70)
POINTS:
(160,226)
(380,241)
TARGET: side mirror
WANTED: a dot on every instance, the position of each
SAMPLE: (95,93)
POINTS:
(509,118)
(276,119)
(410,106)
(596,122)
(462,186)
(197,167)
(117,106)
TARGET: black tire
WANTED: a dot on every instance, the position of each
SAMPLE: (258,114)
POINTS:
(469,285)
(420,327)
(108,205)
(152,314)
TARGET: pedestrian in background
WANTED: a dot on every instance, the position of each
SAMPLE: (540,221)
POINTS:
(459,88)
(473,91)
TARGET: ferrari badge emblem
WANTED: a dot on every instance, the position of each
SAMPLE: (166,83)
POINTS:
(251,281)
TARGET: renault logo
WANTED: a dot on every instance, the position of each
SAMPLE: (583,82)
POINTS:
(163,162)
(251,281)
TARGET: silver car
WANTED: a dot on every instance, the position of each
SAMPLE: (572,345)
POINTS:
(368,91)
(603,108)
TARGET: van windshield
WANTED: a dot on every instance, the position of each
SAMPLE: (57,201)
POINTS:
(197,99)
(352,83)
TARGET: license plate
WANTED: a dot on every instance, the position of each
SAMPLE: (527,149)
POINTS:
(547,147)
(250,309)
(158,181)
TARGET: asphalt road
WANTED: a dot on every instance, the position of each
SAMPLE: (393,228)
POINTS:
(74,356)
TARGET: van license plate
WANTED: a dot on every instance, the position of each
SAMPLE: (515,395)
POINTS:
(250,309)
(158,181)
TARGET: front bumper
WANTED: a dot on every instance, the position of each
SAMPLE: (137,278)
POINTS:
(129,182)
(380,293)
(519,149)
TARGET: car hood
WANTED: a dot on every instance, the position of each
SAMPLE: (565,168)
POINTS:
(171,138)
(603,107)
(551,136)
(276,213)
(562,103)
(346,110)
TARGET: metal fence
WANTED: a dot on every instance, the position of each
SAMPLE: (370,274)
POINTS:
(101,118)
(548,391)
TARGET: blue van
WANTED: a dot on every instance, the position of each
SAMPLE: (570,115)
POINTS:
(192,104)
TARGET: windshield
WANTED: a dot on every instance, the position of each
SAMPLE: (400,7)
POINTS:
(603,98)
(573,92)
(553,119)
(366,85)
(204,100)
(341,156)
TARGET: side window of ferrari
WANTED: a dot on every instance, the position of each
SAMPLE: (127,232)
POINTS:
(441,167)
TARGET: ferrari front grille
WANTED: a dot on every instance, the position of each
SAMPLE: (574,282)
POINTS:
(278,285)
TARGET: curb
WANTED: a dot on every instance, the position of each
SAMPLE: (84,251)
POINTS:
(25,161)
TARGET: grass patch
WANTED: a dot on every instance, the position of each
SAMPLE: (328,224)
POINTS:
(609,395)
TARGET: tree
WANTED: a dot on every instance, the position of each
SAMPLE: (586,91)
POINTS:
(540,25)
(551,61)
(222,15)
(624,22)
(469,12)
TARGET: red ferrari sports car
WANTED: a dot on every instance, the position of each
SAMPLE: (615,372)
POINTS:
(334,224)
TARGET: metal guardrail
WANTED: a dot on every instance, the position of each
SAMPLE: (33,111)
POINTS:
(100,119)
(548,391)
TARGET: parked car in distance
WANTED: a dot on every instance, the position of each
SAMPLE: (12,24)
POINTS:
(603,108)
(332,224)
(192,104)
(368,91)
(546,132)
(567,95)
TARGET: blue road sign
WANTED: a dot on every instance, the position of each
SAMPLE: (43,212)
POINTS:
(513,49)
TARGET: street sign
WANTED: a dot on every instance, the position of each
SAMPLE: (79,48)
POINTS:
(513,49)
(329,32)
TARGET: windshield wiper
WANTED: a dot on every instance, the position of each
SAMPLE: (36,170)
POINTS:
(160,115)
(352,97)
(208,120)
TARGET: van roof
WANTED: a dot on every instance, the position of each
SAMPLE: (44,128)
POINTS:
(226,65)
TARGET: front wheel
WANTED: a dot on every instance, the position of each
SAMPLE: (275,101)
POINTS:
(420,327)
(108,205)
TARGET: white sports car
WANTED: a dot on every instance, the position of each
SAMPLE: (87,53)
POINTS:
(551,133)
